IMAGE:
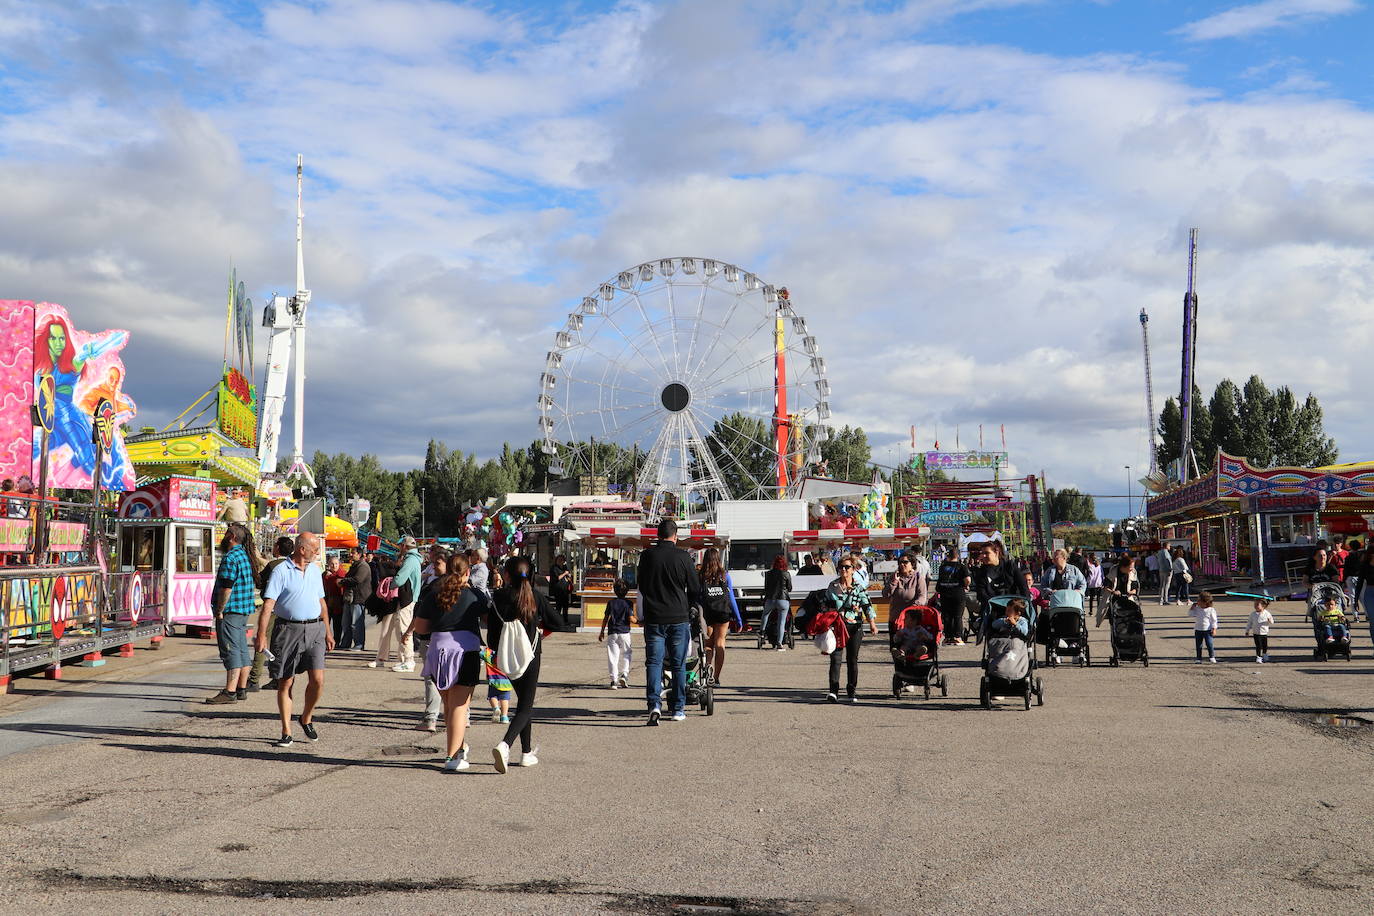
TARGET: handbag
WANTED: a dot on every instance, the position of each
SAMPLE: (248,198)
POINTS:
(1188,577)
(825,642)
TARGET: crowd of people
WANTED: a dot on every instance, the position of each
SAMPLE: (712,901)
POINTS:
(468,620)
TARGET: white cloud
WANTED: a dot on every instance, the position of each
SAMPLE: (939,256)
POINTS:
(970,230)
(1250,18)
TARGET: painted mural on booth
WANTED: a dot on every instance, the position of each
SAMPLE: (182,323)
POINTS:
(37,340)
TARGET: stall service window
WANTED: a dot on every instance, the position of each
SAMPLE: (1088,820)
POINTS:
(141,547)
(1286,530)
(193,550)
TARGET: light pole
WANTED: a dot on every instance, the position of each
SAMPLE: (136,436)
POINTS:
(422,512)
(1128,492)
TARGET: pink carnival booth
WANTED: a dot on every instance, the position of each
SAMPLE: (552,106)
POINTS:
(168,525)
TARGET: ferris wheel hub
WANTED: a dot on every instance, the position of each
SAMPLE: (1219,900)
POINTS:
(675,397)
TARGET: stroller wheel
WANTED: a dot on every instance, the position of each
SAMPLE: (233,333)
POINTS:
(1027,696)
(1039,693)
(984,696)
(944,686)
(1145,661)
(708,701)
(927,691)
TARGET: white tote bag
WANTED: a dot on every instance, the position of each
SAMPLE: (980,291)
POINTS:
(825,642)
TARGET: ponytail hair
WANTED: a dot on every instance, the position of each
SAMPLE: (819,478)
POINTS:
(454,583)
(518,579)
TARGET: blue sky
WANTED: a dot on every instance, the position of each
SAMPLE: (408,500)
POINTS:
(975,197)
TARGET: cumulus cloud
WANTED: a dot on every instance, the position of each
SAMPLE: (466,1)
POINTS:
(1252,18)
(971,230)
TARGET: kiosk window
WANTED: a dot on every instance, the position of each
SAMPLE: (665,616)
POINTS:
(193,550)
(142,548)
(1284,530)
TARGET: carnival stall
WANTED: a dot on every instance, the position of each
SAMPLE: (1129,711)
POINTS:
(620,546)
(857,540)
(168,526)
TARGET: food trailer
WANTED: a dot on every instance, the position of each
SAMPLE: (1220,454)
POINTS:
(851,539)
(620,545)
(168,525)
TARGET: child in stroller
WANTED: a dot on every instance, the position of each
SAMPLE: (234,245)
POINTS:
(915,639)
(1009,652)
(1326,607)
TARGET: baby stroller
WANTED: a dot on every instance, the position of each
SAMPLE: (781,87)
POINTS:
(973,617)
(1128,632)
(918,666)
(1009,660)
(1316,602)
(768,627)
(701,677)
(1063,629)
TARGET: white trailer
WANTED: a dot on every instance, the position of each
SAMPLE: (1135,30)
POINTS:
(757,529)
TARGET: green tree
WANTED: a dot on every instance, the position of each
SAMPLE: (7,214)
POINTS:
(741,447)
(847,454)
(1170,434)
(1070,505)
(1228,432)
(1318,448)
(1256,412)
(1283,427)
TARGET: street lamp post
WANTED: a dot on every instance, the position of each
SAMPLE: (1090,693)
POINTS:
(422,512)
(1128,492)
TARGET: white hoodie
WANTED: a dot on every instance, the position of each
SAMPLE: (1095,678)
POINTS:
(1204,618)
(1260,622)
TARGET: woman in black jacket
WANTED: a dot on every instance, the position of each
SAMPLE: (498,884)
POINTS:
(777,602)
(517,604)
(996,575)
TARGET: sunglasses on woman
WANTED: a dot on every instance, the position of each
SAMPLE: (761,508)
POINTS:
(845,566)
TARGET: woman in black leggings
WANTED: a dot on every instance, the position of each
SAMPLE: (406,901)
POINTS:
(517,604)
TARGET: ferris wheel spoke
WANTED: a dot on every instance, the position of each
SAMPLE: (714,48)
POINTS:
(648,324)
(617,362)
(629,340)
(723,448)
(715,383)
(627,426)
(672,332)
(701,312)
(706,356)
(720,329)
(596,384)
(609,407)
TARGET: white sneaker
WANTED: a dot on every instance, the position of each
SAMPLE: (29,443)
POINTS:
(374,664)
(403,667)
(460,762)
(529,760)
(782,648)
(679,717)
(428,726)
(496,714)
(500,755)
(625,680)
(1259,659)
(614,685)
(1213,659)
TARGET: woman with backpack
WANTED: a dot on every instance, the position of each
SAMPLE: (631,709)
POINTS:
(513,633)
(719,610)
(453,621)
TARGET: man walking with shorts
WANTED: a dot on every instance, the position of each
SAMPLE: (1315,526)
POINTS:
(233,605)
(301,636)
(667,579)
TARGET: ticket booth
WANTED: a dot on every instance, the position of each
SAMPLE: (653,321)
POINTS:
(614,551)
(168,525)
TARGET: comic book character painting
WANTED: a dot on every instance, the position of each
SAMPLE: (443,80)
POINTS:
(86,369)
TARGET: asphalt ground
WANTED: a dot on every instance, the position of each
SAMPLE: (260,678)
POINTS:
(1227,788)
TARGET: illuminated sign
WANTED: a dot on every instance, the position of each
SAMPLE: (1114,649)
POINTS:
(955,460)
(997,505)
(238,409)
(944,505)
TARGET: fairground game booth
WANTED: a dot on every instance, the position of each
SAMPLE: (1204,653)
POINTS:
(613,552)
(1246,524)
(858,540)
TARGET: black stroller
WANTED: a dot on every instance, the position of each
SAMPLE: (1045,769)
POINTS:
(701,677)
(1128,632)
(917,665)
(1063,629)
(1009,658)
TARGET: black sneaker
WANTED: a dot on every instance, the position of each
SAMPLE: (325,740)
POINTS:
(254,686)
(284,741)
(241,693)
(309,729)
(271,685)
(654,715)
(832,697)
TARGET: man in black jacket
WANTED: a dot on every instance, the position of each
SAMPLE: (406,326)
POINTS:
(667,582)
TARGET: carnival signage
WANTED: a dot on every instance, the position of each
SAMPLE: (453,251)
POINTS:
(238,409)
(191,499)
(945,519)
(1298,502)
(944,505)
(103,425)
(1197,493)
(946,461)
(997,505)
(31,604)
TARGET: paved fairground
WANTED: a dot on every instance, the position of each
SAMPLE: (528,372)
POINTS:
(1227,788)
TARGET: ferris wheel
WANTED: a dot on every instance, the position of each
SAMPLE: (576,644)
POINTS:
(685,381)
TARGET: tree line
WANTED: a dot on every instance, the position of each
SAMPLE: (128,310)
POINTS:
(1267,428)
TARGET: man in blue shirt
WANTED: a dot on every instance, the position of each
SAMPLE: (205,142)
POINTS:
(301,635)
(232,604)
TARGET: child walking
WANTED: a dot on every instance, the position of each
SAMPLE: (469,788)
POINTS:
(1204,626)
(615,630)
(1258,627)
